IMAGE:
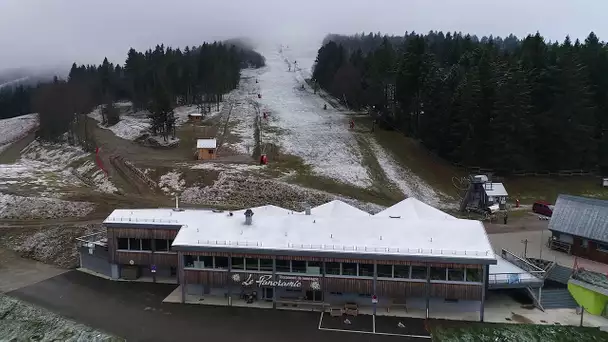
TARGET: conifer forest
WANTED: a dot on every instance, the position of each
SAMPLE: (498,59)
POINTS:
(510,105)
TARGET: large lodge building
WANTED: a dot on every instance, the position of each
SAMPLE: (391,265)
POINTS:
(334,253)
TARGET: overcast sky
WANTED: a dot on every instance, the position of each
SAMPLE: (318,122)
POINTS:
(55,32)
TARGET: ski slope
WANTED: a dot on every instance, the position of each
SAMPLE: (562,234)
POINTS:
(16,128)
(320,137)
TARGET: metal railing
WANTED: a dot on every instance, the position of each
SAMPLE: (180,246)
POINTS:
(523,264)
(342,248)
(98,238)
(511,278)
(140,220)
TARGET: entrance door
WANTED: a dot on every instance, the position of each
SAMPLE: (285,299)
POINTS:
(267,293)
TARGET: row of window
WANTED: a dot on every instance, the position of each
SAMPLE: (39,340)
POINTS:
(335,268)
(161,245)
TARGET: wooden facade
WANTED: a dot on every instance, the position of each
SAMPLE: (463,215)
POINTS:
(141,258)
(589,250)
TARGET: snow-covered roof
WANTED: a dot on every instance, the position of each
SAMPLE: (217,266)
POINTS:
(495,189)
(346,232)
(337,208)
(411,208)
(206,143)
(352,235)
(195,114)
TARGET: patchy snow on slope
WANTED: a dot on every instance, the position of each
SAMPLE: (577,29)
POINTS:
(320,137)
(230,168)
(131,126)
(22,321)
(244,112)
(171,183)
(57,155)
(42,168)
(16,128)
(241,191)
(410,184)
(90,170)
(19,207)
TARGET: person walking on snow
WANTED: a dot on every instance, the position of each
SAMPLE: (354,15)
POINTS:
(352,124)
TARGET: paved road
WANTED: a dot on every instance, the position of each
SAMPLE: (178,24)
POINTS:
(17,272)
(135,311)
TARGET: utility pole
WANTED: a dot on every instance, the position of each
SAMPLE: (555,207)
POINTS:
(525,242)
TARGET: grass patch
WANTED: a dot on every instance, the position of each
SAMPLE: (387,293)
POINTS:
(530,189)
(493,332)
(381,182)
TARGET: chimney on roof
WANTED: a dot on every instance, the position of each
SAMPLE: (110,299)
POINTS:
(307,210)
(248,217)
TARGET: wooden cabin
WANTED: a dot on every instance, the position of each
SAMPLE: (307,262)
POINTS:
(195,118)
(206,149)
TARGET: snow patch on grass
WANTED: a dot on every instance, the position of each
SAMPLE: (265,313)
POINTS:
(90,170)
(131,126)
(229,168)
(13,129)
(14,207)
(171,183)
(409,183)
(43,168)
(240,191)
(25,322)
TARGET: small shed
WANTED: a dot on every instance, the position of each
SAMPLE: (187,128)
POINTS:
(195,118)
(206,149)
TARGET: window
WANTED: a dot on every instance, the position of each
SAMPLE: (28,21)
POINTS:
(211,151)
(418,272)
(123,243)
(402,271)
(283,266)
(385,271)
(161,245)
(252,264)
(584,243)
(456,274)
(602,247)
(298,266)
(189,260)
(349,268)
(238,263)
(332,268)
(313,267)
(265,264)
(204,261)
(134,244)
(438,273)
(474,275)
(221,262)
(146,244)
(366,270)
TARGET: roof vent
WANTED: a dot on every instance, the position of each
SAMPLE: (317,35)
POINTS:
(248,217)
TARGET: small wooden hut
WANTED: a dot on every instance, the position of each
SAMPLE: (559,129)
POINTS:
(206,149)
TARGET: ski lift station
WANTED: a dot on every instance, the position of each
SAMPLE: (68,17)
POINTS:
(484,194)
(410,256)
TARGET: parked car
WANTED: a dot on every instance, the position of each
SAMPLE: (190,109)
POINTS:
(542,208)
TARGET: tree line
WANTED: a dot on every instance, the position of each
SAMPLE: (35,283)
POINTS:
(156,80)
(505,104)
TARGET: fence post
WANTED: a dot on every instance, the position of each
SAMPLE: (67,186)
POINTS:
(582,314)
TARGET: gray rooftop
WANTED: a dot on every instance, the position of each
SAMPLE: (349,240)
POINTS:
(581,216)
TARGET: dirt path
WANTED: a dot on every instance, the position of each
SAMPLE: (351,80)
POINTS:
(13,152)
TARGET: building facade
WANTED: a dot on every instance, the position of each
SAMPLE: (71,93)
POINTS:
(284,258)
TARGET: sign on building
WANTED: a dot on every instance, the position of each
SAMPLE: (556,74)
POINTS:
(284,281)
